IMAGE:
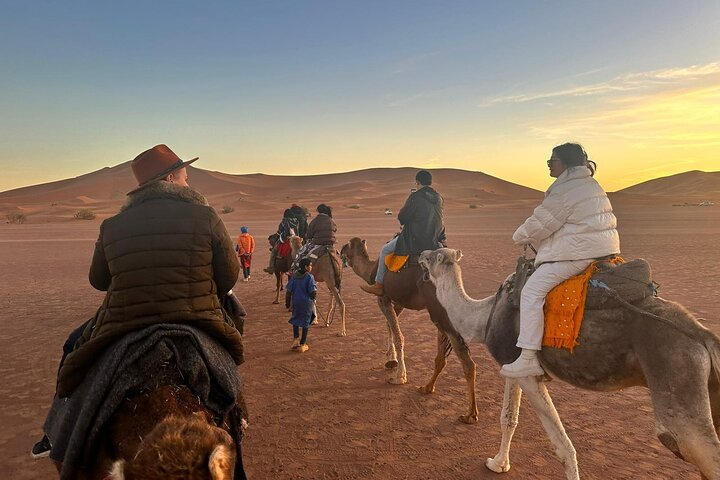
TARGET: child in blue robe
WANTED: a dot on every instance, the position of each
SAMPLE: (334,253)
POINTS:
(301,291)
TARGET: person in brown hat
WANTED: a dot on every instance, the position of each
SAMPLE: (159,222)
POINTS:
(166,257)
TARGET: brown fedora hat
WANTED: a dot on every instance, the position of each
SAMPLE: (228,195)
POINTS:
(155,164)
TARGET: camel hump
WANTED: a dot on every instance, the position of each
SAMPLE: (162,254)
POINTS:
(632,281)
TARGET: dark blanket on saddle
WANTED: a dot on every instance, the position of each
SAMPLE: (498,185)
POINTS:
(128,366)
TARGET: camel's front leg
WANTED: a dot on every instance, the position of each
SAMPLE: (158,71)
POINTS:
(339,303)
(539,397)
(508,421)
(469,369)
(443,350)
(398,340)
(331,306)
(278,286)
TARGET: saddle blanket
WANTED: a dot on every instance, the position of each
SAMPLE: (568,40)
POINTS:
(565,308)
(395,262)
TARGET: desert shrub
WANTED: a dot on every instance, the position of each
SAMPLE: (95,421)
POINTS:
(16,217)
(227,209)
(472,205)
(354,206)
(84,214)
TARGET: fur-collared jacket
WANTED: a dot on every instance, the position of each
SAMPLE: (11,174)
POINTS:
(321,230)
(575,221)
(422,221)
(163,259)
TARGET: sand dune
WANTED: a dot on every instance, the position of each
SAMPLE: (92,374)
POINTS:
(371,190)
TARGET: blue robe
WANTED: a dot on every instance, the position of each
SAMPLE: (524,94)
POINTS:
(300,287)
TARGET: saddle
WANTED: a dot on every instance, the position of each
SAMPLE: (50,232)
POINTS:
(631,281)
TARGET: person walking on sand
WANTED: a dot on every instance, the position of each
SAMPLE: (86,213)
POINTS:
(245,248)
(573,226)
(422,227)
(300,292)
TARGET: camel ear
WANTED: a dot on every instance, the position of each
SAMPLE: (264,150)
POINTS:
(220,463)
(439,258)
(118,471)
(363,241)
(458,255)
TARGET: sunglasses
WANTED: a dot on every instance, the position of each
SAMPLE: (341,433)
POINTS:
(549,162)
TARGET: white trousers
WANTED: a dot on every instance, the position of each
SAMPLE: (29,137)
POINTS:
(532,298)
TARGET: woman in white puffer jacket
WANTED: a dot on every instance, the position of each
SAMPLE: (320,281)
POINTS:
(573,226)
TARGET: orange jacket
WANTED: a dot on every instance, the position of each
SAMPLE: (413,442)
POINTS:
(246,244)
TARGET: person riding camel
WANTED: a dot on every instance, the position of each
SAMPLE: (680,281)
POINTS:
(300,214)
(422,227)
(573,226)
(287,227)
(320,232)
(165,258)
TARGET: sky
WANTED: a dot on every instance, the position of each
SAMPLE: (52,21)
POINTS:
(306,87)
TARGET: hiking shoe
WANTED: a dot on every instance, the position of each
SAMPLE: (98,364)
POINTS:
(375,289)
(302,348)
(42,448)
(527,365)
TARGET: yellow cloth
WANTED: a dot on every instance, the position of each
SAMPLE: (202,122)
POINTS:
(395,262)
(565,307)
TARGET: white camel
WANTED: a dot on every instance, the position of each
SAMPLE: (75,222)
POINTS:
(676,358)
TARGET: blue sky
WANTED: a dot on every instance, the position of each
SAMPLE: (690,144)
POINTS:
(292,87)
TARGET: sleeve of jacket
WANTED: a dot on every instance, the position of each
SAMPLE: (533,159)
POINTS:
(407,212)
(546,219)
(252,245)
(99,275)
(310,233)
(226,267)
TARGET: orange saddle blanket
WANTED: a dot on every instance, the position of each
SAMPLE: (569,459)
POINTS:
(565,308)
(395,262)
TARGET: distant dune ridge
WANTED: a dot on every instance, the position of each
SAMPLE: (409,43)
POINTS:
(370,190)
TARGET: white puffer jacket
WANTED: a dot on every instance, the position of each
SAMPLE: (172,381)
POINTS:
(574,222)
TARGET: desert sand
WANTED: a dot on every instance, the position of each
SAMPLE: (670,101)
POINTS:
(329,413)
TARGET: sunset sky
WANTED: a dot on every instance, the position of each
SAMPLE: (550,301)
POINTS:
(293,87)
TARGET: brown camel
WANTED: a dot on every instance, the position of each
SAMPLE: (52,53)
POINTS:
(163,434)
(656,344)
(327,268)
(281,267)
(407,289)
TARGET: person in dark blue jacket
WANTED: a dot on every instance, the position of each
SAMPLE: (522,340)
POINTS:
(301,291)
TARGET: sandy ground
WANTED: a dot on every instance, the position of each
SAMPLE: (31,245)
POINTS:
(329,413)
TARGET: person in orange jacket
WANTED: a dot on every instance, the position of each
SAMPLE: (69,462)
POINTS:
(245,248)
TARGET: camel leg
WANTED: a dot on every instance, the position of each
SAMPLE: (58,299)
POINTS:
(683,412)
(508,421)
(331,306)
(338,302)
(538,395)
(386,306)
(443,350)
(278,287)
(391,354)
(469,369)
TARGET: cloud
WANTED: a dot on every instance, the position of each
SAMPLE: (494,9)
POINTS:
(631,82)
(681,119)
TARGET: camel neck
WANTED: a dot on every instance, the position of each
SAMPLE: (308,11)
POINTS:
(468,316)
(364,267)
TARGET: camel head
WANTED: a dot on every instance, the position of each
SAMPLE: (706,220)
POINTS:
(442,261)
(181,449)
(296,243)
(355,248)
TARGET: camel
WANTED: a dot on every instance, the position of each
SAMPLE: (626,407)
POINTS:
(327,269)
(164,434)
(406,289)
(281,267)
(658,345)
